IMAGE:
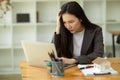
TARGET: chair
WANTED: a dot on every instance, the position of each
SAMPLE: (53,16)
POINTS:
(118,39)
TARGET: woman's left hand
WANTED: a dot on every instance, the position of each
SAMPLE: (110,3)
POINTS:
(68,61)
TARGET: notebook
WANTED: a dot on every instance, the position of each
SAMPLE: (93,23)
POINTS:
(36,53)
(91,71)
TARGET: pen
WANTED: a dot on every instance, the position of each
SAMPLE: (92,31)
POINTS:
(86,67)
(49,63)
(52,55)
(102,73)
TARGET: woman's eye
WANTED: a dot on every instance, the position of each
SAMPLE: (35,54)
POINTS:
(64,22)
(71,21)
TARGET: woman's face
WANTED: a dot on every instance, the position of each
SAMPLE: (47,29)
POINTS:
(72,23)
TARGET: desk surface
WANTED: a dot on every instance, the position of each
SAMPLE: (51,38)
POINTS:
(115,32)
(37,73)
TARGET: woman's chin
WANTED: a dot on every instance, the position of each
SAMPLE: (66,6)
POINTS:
(72,32)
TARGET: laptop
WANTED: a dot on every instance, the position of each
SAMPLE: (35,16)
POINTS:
(36,53)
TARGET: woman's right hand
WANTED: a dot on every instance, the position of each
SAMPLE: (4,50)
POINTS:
(58,23)
(68,60)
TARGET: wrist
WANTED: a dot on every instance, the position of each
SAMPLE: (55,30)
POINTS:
(57,31)
(74,61)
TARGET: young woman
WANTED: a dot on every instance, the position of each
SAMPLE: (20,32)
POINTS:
(76,39)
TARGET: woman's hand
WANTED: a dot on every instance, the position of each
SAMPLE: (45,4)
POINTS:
(68,61)
(58,23)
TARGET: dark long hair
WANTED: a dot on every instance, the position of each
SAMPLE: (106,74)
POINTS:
(66,37)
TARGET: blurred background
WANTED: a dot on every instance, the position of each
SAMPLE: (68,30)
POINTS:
(35,20)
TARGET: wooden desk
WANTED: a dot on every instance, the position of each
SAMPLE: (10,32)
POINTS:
(37,73)
(114,33)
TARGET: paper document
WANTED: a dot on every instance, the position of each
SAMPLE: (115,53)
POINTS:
(90,71)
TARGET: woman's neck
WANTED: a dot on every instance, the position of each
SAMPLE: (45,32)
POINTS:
(81,28)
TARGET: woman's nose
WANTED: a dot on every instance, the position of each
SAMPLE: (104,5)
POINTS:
(68,26)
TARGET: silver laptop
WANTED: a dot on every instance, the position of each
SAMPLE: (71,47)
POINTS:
(36,53)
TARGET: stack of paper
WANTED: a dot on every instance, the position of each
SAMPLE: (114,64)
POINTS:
(93,71)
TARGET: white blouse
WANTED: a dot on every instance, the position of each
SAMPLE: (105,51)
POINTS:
(77,42)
